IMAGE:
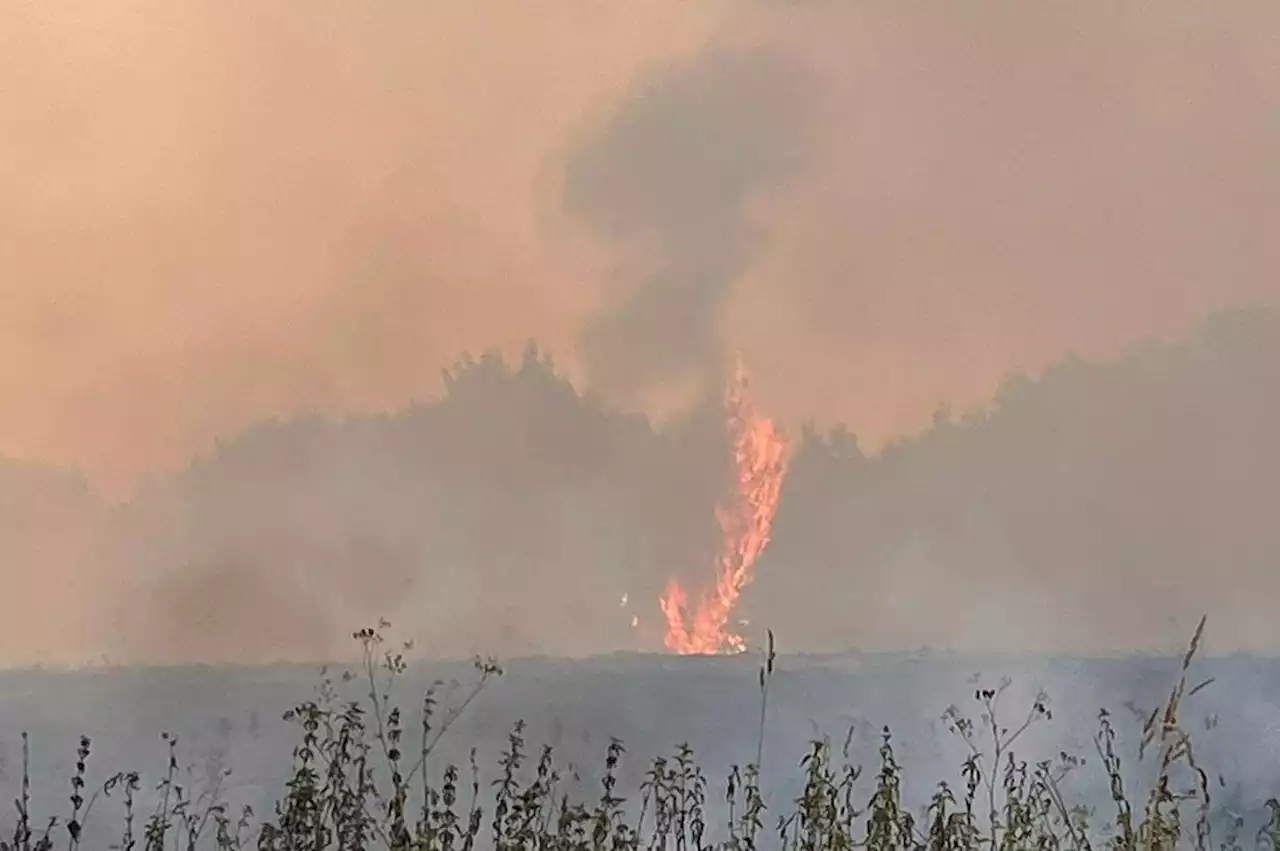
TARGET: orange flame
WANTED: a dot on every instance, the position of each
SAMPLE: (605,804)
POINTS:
(746,522)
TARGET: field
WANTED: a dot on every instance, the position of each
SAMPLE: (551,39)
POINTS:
(231,742)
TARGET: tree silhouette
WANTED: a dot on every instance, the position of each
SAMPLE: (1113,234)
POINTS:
(517,505)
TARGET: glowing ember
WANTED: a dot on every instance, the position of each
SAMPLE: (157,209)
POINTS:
(746,521)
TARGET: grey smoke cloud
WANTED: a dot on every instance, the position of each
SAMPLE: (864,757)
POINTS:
(678,167)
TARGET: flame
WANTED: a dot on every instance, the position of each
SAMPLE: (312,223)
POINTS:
(746,523)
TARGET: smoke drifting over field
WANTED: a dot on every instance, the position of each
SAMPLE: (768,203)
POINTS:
(237,245)
(1100,507)
(1004,277)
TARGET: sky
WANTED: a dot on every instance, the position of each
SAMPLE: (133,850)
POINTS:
(213,213)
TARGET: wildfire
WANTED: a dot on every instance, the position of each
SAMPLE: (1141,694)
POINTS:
(746,523)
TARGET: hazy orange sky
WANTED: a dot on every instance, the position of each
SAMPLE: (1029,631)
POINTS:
(213,212)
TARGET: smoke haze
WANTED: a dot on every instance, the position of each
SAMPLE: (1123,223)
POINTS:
(238,245)
(212,215)
(1101,507)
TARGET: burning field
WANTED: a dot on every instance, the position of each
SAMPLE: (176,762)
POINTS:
(513,514)
(873,330)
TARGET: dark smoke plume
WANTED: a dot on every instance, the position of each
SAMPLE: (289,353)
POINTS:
(677,167)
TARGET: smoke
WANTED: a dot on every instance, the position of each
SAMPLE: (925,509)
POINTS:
(210,216)
(678,167)
(1101,507)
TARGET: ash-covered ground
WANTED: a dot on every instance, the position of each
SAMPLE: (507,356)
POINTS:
(232,718)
